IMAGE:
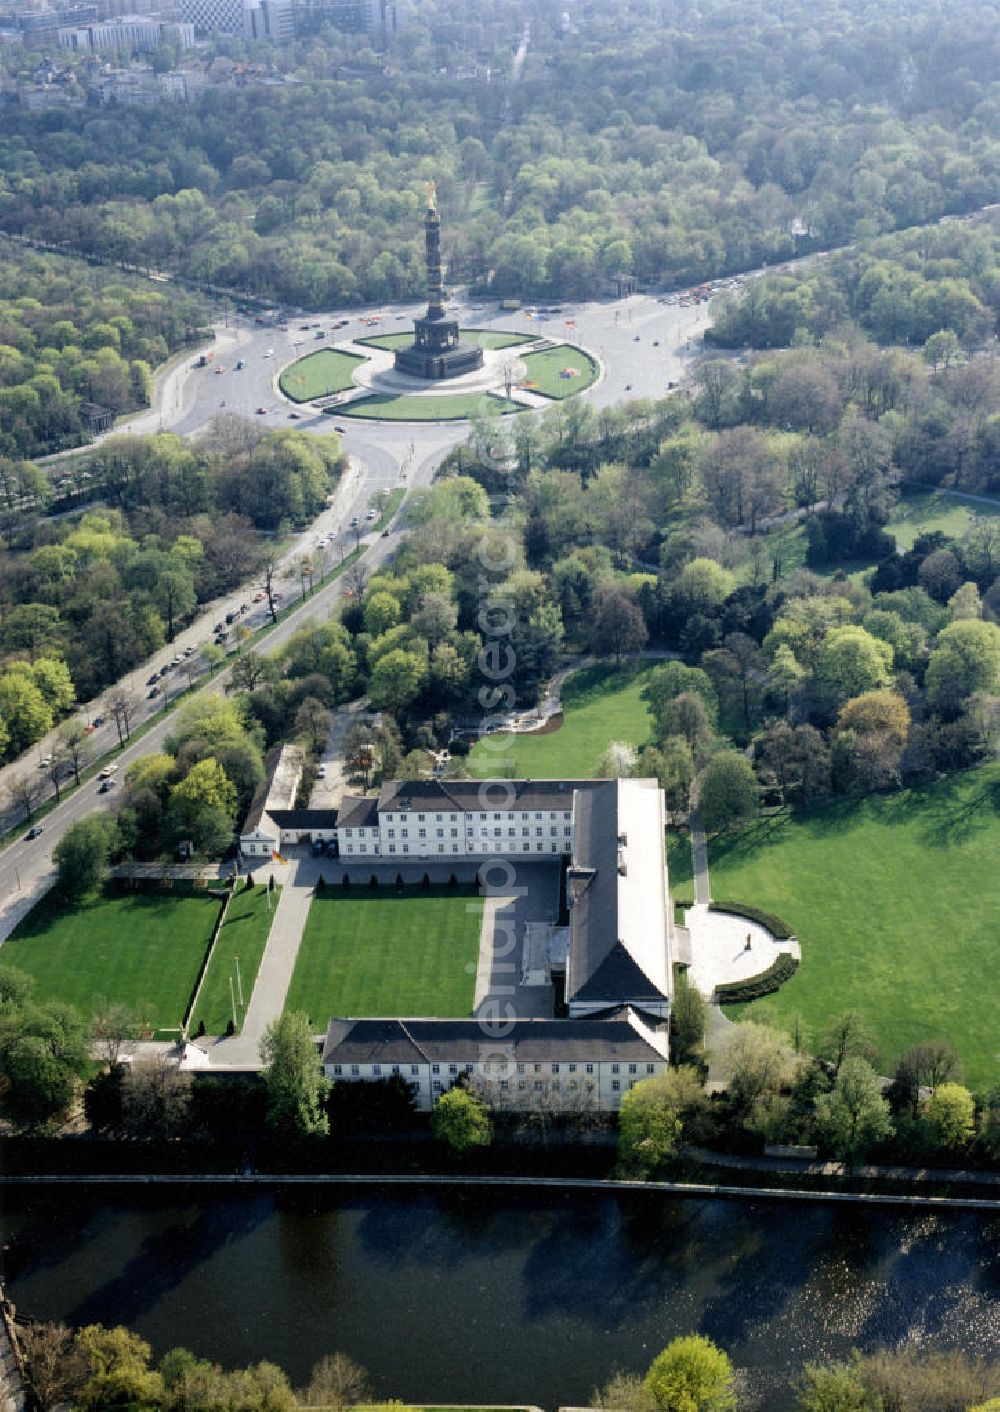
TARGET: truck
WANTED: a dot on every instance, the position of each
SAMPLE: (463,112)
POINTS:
(510,304)
(205,358)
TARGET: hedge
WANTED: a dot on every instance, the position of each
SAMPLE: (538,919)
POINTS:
(773,924)
(754,987)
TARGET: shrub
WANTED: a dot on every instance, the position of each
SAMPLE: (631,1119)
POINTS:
(248,885)
(453,881)
(345,881)
(320,883)
(425,882)
(373,882)
(768,920)
(781,969)
(399,882)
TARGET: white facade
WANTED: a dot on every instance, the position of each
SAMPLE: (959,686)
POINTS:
(130,33)
(442,833)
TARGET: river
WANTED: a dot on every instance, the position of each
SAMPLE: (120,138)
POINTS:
(518,1297)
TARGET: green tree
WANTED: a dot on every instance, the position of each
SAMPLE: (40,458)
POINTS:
(728,791)
(81,855)
(24,711)
(688,1016)
(652,1117)
(119,1371)
(396,680)
(692,1375)
(849,662)
(461,1121)
(44,1053)
(835,1387)
(854,1116)
(965,659)
(294,1077)
(948,1118)
(756,1060)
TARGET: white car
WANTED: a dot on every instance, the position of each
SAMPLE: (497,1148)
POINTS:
(269,353)
(321,772)
(372,515)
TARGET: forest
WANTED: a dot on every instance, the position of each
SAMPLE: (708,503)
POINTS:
(673,142)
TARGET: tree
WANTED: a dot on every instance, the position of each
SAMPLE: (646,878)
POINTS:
(296,1086)
(966,659)
(57,1367)
(74,741)
(23,792)
(396,680)
(948,1118)
(116,1027)
(81,855)
(854,1116)
(835,1387)
(461,1120)
(727,791)
(688,1017)
(249,669)
(652,1116)
(618,761)
(850,661)
(119,1371)
(43,1056)
(927,1065)
(336,1382)
(619,627)
(756,1060)
(156,1100)
(23,709)
(202,807)
(847,1036)
(692,1375)
(941,348)
(672,764)
(798,760)
(122,706)
(312,723)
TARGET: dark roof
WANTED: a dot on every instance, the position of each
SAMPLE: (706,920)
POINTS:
(303,818)
(358,811)
(479,796)
(256,811)
(599,966)
(615,1035)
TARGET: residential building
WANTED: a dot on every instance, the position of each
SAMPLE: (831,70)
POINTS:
(553,1066)
(262,834)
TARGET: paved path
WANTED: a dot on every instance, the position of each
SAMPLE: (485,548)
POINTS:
(821,1167)
(699,859)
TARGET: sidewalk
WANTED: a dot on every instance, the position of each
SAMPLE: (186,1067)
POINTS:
(837,1169)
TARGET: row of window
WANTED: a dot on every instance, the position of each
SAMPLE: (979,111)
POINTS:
(453,1069)
(518,846)
(482,817)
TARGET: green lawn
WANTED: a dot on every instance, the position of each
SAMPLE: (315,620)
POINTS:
(484,337)
(319,374)
(544,371)
(244,935)
(457,406)
(930,510)
(133,948)
(600,704)
(387,953)
(895,901)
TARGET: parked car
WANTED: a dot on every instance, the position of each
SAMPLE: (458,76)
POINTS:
(355,522)
(321,772)
(269,353)
(340,429)
(372,515)
(239,365)
(45,762)
(151,681)
(153,691)
(35,831)
(262,411)
(295,416)
(106,786)
(98,722)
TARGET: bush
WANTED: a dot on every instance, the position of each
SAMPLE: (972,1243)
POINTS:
(768,920)
(399,882)
(248,885)
(754,987)
(425,882)
(320,883)
(373,882)
(453,881)
(345,881)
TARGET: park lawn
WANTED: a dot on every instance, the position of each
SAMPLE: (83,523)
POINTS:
(137,948)
(600,704)
(895,902)
(931,510)
(244,934)
(458,406)
(483,337)
(386,953)
(319,374)
(544,371)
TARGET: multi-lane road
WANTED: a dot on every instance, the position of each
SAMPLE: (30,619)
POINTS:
(643,344)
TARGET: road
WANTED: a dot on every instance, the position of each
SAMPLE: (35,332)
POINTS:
(643,343)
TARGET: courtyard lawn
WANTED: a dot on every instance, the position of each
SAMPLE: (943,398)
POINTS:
(544,371)
(932,510)
(484,337)
(319,374)
(456,406)
(387,953)
(600,704)
(244,934)
(895,901)
(130,948)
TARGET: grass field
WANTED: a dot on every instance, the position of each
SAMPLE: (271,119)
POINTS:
(600,704)
(387,953)
(483,337)
(895,901)
(457,406)
(244,934)
(543,371)
(135,948)
(930,510)
(319,374)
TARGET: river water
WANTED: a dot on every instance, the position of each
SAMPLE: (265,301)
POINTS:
(504,1297)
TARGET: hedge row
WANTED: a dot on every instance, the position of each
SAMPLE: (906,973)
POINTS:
(754,987)
(773,924)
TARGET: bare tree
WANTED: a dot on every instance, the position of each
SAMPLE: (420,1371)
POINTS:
(23,791)
(269,568)
(357,578)
(117,1027)
(75,741)
(122,705)
(156,1098)
(56,769)
(336,1381)
(57,1367)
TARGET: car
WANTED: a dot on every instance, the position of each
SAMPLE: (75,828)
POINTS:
(231,617)
(295,416)
(35,831)
(176,661)
(321,334)
(219,627)
(239,365)
(355,522)
(386,533)
(321,772)
(190,651)
(220,369)
(303,328)
(151,681)
(153,691)
(262,411)
(371,515)
(164,670)
(45,762)
(269,353)
(635,338)
(258,597)
(340,429)
(106,786)
(108,771)
(97,722)
(656,343)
